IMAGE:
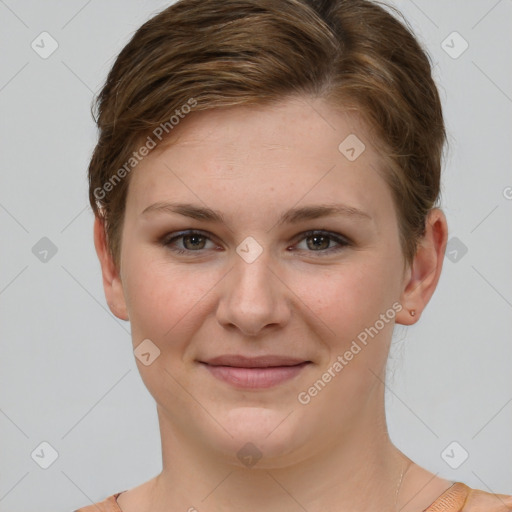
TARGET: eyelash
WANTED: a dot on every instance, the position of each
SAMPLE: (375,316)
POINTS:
(342,241)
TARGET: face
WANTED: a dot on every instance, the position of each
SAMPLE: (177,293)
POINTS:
(250,265)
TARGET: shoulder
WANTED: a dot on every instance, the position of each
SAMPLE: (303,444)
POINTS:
(480,501)
(107,505)
(462,498)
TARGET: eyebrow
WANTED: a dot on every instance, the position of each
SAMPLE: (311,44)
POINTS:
(292,216)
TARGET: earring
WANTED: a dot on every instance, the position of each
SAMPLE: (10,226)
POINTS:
(412,312)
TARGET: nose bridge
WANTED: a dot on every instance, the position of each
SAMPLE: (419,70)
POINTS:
(252,277)
(252,296)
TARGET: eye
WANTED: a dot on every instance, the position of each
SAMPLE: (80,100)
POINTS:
(192,241)
(320,241)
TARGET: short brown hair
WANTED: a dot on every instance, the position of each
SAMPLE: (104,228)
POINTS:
(220,53)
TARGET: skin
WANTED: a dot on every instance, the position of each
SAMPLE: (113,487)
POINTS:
(251,164)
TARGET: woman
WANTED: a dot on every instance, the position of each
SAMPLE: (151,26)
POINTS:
(264,187)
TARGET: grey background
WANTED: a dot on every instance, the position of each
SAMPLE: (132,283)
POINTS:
(67,371)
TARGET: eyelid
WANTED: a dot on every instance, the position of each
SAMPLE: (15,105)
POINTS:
(184,232)
(170,237)
(335,236)
(340,239)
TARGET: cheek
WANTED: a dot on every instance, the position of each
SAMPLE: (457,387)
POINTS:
(356,303)
(349,298)
(170,301)
(163,297)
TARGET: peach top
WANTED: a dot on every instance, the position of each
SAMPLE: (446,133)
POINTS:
(458,498)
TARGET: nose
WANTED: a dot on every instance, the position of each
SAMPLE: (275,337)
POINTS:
(254,298)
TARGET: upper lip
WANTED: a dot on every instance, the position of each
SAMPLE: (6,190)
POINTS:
(254,362)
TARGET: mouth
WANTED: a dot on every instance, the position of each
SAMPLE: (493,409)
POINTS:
(254,372)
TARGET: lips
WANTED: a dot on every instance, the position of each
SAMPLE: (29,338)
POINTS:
(240,361)
(254,372)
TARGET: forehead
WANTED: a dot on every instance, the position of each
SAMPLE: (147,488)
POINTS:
(298,123)
(281,152)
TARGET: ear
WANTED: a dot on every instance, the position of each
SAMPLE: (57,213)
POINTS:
(111,279)
(422,276)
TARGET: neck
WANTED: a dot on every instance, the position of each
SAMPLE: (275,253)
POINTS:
(359,469)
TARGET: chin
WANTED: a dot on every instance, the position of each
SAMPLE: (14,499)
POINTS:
(261,438)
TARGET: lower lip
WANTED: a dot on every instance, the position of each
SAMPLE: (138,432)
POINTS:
(255,378)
